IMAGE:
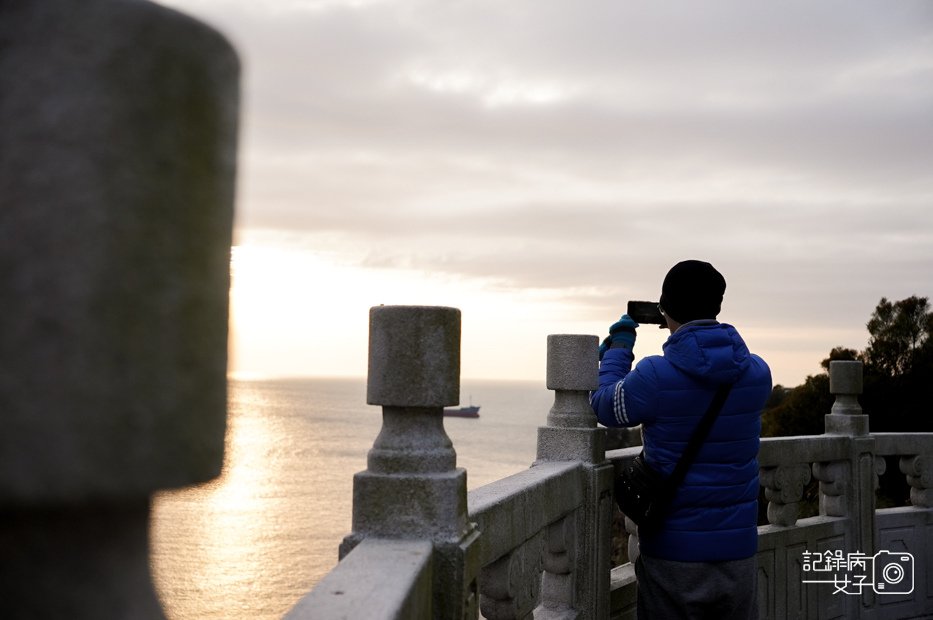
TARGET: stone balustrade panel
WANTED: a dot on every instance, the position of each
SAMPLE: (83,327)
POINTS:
(510,587)
(510,511)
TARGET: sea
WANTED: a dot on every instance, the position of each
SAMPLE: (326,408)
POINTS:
(251,543)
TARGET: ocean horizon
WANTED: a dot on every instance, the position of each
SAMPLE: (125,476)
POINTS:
(251,543)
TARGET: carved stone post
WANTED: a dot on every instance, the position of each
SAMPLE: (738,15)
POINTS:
(118,125)
(580,588)
(845,383)
(412,488)
(847,488)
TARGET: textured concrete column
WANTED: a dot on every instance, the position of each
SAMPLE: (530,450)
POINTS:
(117,156)
(580,589)
(412,488)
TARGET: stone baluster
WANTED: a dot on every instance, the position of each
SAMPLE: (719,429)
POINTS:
(572,435)
(834,480)
(412,488)
(919,472)
(560,556)
(784,489)
(511,585)
(118,125)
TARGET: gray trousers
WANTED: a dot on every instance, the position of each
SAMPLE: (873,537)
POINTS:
(671,590)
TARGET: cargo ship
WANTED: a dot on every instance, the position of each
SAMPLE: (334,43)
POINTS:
(463,412)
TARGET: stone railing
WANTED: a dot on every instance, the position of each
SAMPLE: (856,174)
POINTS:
(535,526)
(536,544)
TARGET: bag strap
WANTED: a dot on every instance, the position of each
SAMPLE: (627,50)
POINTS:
(699,435)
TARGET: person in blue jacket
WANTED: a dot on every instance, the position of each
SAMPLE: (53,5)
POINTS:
(700,563)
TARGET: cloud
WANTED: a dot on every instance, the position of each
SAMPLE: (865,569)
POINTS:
(583,149)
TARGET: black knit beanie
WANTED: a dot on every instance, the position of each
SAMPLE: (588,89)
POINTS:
(692,290)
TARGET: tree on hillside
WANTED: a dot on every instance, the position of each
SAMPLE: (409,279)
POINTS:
(899,366)
(799,410)
(900,331)
(841,354)
(898,385)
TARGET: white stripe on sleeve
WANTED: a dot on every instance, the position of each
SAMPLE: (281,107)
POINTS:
(618,404)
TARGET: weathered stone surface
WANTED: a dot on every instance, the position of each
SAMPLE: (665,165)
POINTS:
(379,579)
(845,382)
(412,441)
(412,488)
(841,423)
(414,356)
(117,155)
(845,377)
(431,506)
(572,362)
(510,510)
(571,444)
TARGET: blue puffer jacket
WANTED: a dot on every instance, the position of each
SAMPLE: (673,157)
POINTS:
(714,513)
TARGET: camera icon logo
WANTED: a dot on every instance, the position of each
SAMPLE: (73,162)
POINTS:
(893,573)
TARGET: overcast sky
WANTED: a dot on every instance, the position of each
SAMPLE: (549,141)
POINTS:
(557,157)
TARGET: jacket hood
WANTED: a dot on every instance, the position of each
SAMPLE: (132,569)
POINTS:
(712,352)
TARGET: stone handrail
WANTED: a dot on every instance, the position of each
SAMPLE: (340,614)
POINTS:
(536,544)
(902,444)
(382,578)
(512,510)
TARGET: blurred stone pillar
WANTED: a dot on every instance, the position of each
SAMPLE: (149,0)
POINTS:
(117,157)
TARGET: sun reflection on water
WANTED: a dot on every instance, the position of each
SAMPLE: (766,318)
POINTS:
(213,539)
(250,544)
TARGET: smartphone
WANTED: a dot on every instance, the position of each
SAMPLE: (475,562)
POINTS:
(646,312)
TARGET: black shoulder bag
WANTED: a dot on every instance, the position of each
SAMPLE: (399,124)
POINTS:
(642,493)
